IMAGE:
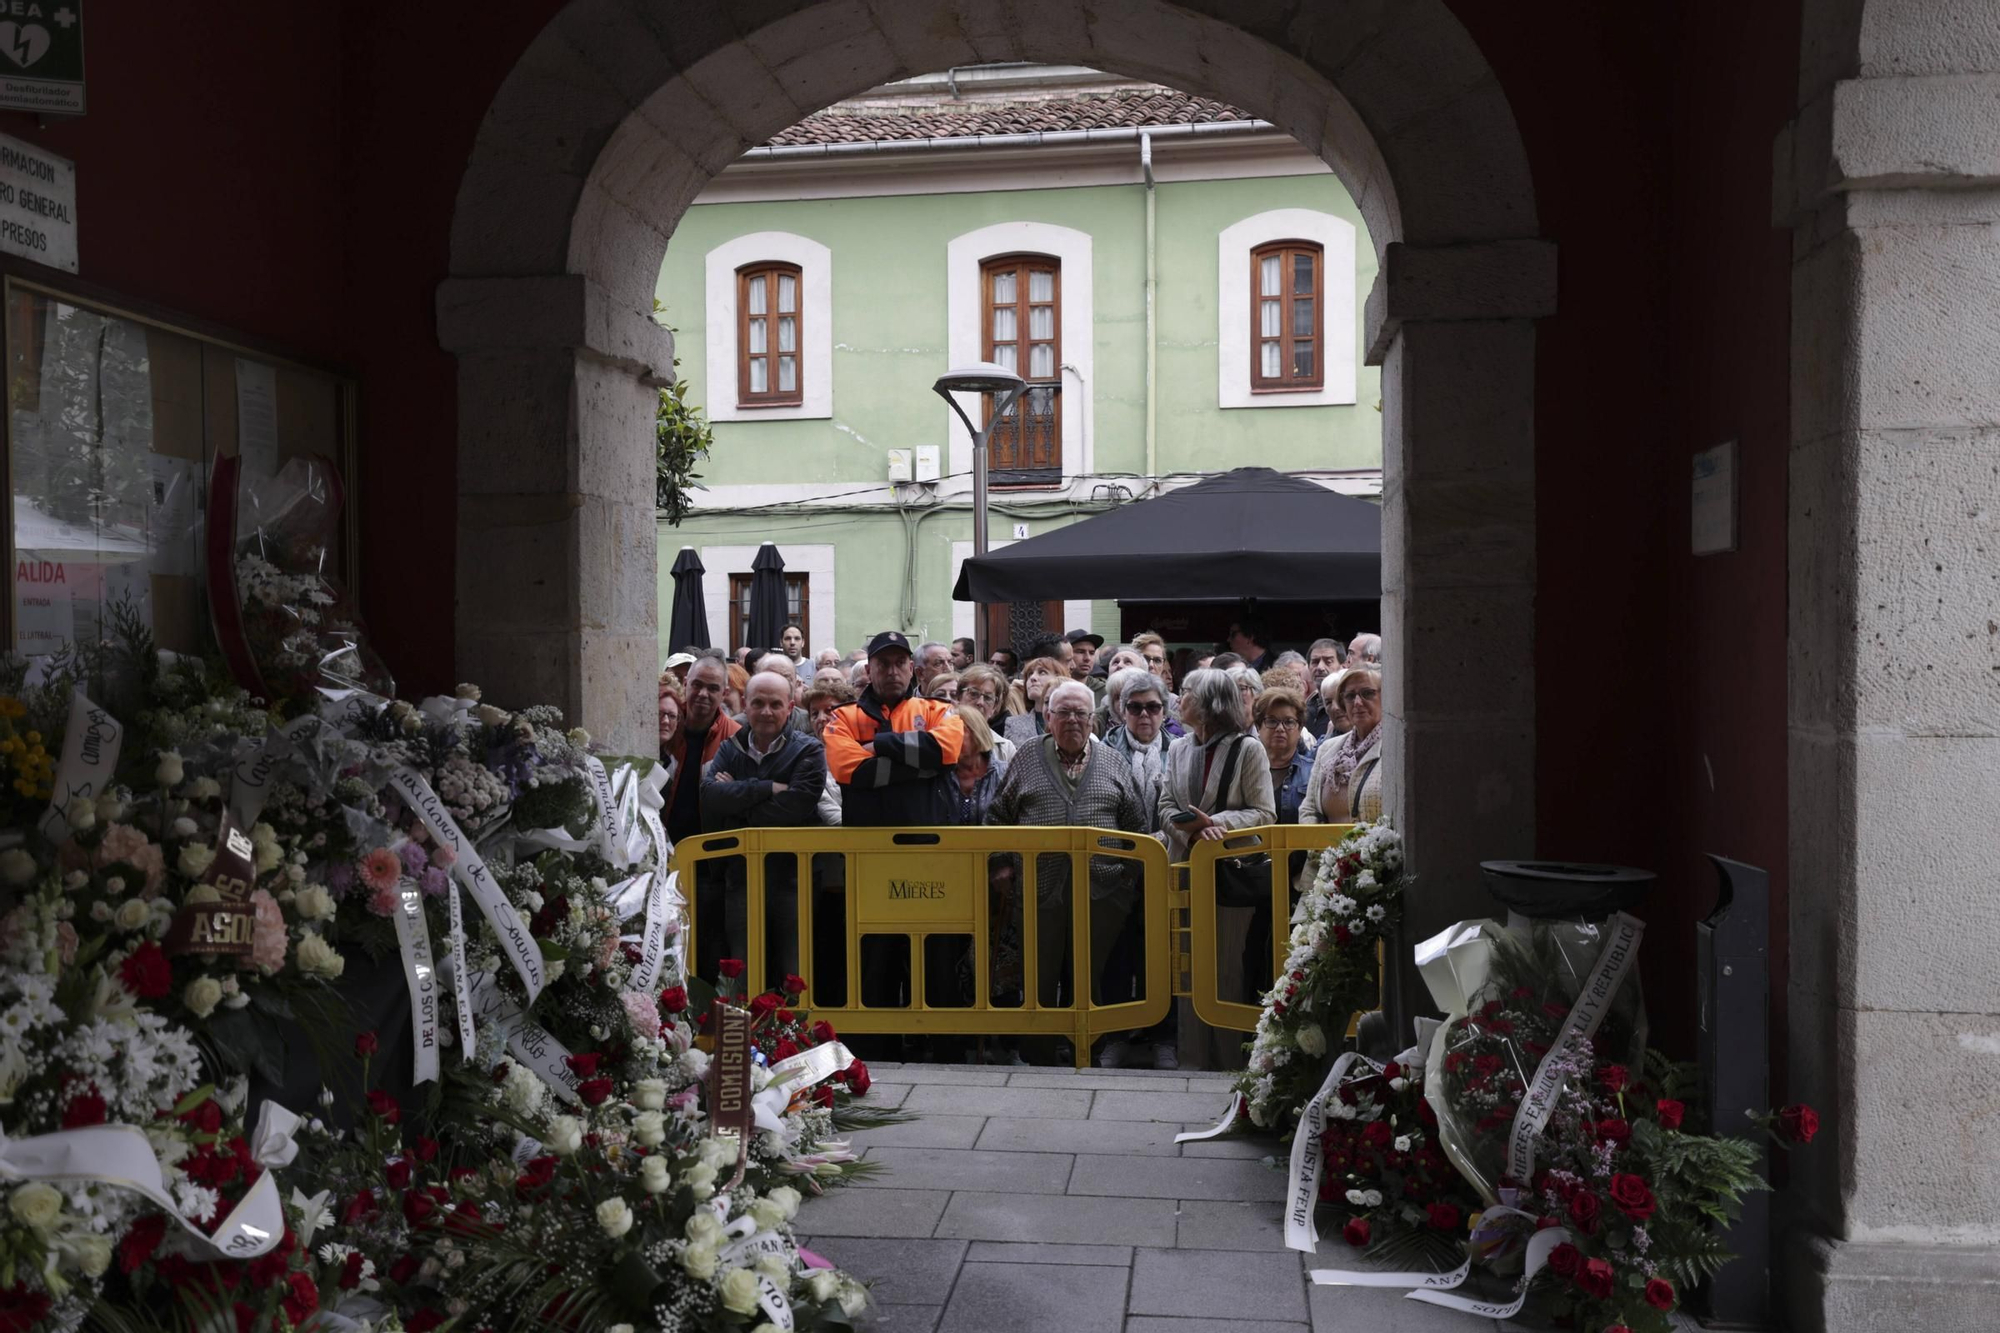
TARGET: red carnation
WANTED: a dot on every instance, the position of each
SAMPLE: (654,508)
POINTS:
(1565,1259)
(1595,1279)
(583,1066)
(366,1044)
(1660,1293)
(1670,1112)
(21,1310)
(674,999)
(1798,1123)
(382,1104)
(86,1108)
(594,1091)
(857,1078)
(795,985)
(1376,1135)
(1583,1210)
(1633,1197)
(146,972)
(1444,1216)
(205,1117)
(301,1298)
(730,967)
(1355,1233)
(140,1242)
(1614,1131)
(1614,1077)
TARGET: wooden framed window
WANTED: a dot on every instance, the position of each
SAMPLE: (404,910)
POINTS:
(1287,317)
(1021,329)
(770,370)
(798,607)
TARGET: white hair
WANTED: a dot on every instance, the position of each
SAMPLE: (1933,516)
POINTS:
(1068,687)
(1127,679)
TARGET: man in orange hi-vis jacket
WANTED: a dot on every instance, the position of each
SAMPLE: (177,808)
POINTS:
(887,749)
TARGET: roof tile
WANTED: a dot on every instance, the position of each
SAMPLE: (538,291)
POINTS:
(1113,110)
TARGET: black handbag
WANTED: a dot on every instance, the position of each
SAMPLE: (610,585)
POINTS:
(1242,881)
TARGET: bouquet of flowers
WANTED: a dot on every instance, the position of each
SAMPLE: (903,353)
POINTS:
(1330,973)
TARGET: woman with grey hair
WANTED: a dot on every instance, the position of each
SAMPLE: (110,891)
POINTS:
(1345,783)
(1136,703)
(1250,683)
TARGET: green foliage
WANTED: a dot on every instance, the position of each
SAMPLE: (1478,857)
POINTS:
(683,438)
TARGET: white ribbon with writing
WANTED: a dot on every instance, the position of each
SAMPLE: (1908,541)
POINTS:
(527,1041)
(119,1155)
(1539,1246)
(1221,1127)
(776,1308)
(663,921)
(413,937)
(609,845)
(807,1069)
(1621,947)
(1383,1277)
(272,1143)
(469,870)
(1308,1154)
(461,993)
(89,757)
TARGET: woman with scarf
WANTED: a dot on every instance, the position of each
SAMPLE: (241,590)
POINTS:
(1345,784)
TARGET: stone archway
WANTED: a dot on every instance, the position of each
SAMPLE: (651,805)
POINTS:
(621,110)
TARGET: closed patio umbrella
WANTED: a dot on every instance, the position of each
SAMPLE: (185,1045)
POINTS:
(766,620)
(687,627)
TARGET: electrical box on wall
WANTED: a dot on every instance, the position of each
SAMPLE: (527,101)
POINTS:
(899,465)
(927,462)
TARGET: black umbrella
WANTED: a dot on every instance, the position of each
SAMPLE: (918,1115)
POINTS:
(767,617)
(688,626)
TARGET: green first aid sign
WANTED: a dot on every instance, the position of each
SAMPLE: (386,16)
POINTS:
(41,56)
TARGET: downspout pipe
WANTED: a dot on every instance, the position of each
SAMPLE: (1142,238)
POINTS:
(1152,300)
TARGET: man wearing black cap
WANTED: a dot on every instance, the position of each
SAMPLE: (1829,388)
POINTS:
(1083,652)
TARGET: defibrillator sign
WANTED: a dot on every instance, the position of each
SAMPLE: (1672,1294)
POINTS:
(41,56)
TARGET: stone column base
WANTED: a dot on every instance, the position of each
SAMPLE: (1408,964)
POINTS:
(1836,1286)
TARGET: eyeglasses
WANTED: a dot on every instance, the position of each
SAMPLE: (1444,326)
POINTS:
(1069,712)
(1154,707)
(1155,661)
(1280,724)
(1351,695)
(970,696)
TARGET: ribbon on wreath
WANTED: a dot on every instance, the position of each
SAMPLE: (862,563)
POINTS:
(121,1156)
(792,1075)
(1539,1246)
(609,844)
(413,939)
(91,741)
(1221,1127)
(1309,1155)
(532,1045)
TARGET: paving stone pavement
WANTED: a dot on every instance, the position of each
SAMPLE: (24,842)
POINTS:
(1055,1199)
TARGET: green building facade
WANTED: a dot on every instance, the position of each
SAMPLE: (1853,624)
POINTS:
(898,260)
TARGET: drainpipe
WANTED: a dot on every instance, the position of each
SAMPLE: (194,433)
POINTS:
(1152,290)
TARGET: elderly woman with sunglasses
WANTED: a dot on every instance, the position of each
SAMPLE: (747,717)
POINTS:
(1345,783)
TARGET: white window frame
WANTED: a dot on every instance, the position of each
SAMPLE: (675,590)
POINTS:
(965,333)
(1336,238)
(815,264)
(815,560)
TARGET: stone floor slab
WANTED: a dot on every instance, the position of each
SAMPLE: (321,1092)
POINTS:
(1179,1107)
(873,1212)
(1005,1134)
(1025,1252)
(1007,1298)
(964,1169)
(900,1271)
(901,1318)
(1058,1218)
(1146,1177)
(1252,1148)
(929,1131)
(887,1096)
(1150,1323)
(1384,1310)
(1218,1284)
(1207,1225)
(934,1075)
(1106,1081)
(1048,1103)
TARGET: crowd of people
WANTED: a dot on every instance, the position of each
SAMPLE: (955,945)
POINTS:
(1179,746)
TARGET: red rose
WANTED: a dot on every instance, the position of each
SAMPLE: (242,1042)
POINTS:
(730,967)
(21,1310)
(1614,1131)
(1565,1259)
(359,1209)
(146,972)
(1614,1077)
(1342,935)
(404,1269)
(1425,1113)
(398,1173)
(1355,1233)
(1487,1064)
(366,1045)
(423,1321)
(1798,1123)
(538,1172)
(594,1091)
(857,1078)
(785,1049)
(1617,1328)
(418,1207)
(382,1104)
(350,1271)
(1392,1070)
(764,1004)
(1583,1210)
(1670,1112)
(674,999)
(86,1108)
(795,985)
(1660,1293)
(1555,1009)
(787,1016)
(427,1149)
(583,1066)
(1595,1278)
(140,1242)
(1633,1197)
(823,1031)
(1444,1216)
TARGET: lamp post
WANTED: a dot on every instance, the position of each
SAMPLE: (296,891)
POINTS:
(1006,388)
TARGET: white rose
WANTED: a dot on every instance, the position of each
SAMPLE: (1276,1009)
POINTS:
(619,1328)
(1402,1143)
(195,860)
(615,1216)
(853,1298)
(317,958)
(132,914)
(1357,1198)
(777,1269)
(786,1198)
(578,737)
(767,1215)
(700,1179)
(719,1150)
(739,1291)
(16,866)
(264,842)
(81,814)
(490,715)
(91,1251)
(823,1285)
(204,789)
(182,827)
(1374,1199)
(110,807)
(1398,1084)
(649,1094)
(565,1135)
(202,995)
(654,1176)
(650,1128)
(699,1262)
(170,772)
(35,1204)
(314,903)
(703,1229)
(1312,1040)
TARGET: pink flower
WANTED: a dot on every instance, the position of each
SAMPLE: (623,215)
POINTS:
(385,902)
(124,843)
(443,856)
(380,869)
(643,1011)
(66,943)
(268,941)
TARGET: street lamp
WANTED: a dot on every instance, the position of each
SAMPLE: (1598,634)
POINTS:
(1006,388)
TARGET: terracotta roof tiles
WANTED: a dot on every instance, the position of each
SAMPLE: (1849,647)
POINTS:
(1120,109)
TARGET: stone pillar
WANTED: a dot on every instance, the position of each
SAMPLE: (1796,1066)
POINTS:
(1452,327)
(1891,181)
(557,535)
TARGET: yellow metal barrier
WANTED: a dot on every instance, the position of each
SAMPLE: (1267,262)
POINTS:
(1205,921)
(936,890)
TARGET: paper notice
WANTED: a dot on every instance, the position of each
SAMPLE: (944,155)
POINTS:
(257,417)
(170,514)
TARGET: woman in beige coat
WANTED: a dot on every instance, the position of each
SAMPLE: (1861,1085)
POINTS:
(1345,785)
